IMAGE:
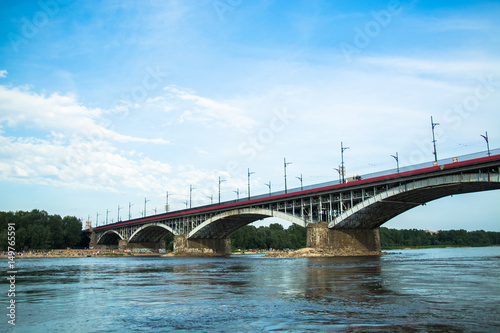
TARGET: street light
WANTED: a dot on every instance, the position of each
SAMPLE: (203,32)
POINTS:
(269,185)
(300,178)
(237,193)
(211,198)
(285,164)
(249,173)
(191,188)
(397,160)
(220,181)
(487,142)
(97,220)
(338,170)
(107,211)
(342,169)
(434,140)
(118,219)
(129,205)
(145,211)
(166,203)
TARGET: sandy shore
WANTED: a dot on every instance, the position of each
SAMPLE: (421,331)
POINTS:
(310,252)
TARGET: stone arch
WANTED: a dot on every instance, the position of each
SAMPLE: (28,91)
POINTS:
(109,237)
(150,233)
(224,224)
(375,211)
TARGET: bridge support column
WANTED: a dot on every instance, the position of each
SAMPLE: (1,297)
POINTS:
(319,236)
(93,240)
(124,244)
(202,245)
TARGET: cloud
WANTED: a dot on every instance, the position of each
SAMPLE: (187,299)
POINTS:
(3,73)
(208,111)
(58,114)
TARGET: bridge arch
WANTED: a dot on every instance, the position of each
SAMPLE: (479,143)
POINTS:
(375,211)
(150,233)
(224,224)
(109,237)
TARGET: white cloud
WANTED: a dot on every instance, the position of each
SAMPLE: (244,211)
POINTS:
(207,111)
(58,114)
(3,73)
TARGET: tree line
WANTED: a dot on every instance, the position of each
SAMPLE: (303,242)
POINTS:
(392,238)
(39,230)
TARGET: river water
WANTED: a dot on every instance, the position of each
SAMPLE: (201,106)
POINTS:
(433,290)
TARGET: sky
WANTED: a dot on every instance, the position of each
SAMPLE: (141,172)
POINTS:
(104,105)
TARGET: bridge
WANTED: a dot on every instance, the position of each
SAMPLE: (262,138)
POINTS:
(336,215)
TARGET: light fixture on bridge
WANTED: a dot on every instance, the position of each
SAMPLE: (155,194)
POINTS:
(118,218)
(191,188)
(269,185)
(434,141)
(487,142)
(342,168)
(220,181)
(300,178)
(338,170)
(397,161)
(129,205)
(249,173)
(237,193)
(145,211)
(285,164)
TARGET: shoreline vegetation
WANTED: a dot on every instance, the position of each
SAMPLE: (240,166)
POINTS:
(38,235)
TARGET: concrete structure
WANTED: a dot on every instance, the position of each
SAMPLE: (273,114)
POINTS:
(336,215)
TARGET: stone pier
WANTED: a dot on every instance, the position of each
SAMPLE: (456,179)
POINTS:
(124,244)
(319,236)
(220,246)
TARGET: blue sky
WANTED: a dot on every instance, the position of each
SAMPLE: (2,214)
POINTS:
(105,104)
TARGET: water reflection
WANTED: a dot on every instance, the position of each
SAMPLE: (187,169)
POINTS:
(419,291)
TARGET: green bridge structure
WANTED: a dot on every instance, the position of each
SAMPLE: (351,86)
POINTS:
(338,215)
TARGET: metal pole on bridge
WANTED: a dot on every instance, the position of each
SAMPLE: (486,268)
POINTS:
(300,178)
(434,140)
(397,161)
(285,164)
(129,205)
(249,173)
(220,181)
(269,185)
(487,143)
(342,169)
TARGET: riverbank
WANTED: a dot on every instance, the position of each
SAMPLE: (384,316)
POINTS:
(311,252)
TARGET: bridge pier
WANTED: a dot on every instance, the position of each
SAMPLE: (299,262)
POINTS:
(319,236)
(124,244)
(202,245)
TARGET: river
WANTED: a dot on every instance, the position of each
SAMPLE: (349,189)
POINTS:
(433,290)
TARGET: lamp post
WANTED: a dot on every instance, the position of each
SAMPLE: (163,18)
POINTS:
(338,170)
(342,169)
(220,181)
(107,211)
(118,218)
(237,193)
(285,164)
(487,142)
(434,140)
(211,198)
(249,173)
(269,185)
(191,188)
(129,205)
(166,203)
(397,161)
(145,211)
(300,178)
(97,220)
